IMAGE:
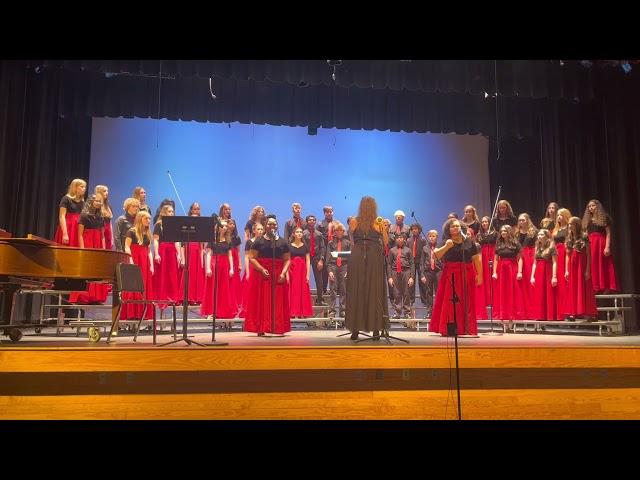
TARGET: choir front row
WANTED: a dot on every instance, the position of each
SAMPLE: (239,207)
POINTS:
(519,271)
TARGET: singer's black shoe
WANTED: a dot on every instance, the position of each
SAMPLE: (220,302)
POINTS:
(376,335)
(261,334)
(354,336)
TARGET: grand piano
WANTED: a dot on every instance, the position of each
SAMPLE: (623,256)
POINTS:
(34,262)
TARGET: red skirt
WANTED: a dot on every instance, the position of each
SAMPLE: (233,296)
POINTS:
(509,304)
(524,288)
(140,257)
(562,288)
(72,220)
(108,235)
(225,308)
(236,283)
(603,272)
(96,292)
(166,280)
(196,273)
(580,300)
(245,291)
(258,314)
(483,294)
(465,310)
(299,291)
(544,297)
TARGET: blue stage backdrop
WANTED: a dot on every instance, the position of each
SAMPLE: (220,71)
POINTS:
(248,165)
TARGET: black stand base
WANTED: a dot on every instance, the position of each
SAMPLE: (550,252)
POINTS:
(188,342)
(384,334)
(349,333)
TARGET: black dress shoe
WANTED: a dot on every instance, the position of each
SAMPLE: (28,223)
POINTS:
(354,336)
(261,334)
(376,335)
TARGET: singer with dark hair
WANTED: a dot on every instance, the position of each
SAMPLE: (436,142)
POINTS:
(367,309)
(459,255)
(269,256)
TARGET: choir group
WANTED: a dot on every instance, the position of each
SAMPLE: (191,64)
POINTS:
(547,272)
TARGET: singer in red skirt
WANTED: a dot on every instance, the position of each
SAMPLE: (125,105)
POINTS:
(299,271)
(580,301)
(71,207)
(527,238)
(91,235)
(459,255)
(544,279)
(107,215)
(559,235)
(166,280)
(487,240)
(257,232)
(236,282)
(270,259)
(136,244)
(507,268)
(195,250)
(219,257)
(597,223)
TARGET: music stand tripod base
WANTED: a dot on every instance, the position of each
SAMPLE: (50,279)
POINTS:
(349,333)
(384,334)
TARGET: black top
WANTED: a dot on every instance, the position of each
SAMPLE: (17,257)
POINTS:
(123,224)
(134,240)
(235,241)
(525,240)
(299,251)
(263,247)
(219,248)
(592,227)
(475,226)
(487,238)
(552,252)
(157,230)
(71,205)
(561,236)
(498,222)
(91,222)
(455,254)
(247,246)
(508,251)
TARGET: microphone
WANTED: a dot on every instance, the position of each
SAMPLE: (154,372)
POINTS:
(412,214)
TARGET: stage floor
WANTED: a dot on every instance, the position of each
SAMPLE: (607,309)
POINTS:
(326,338)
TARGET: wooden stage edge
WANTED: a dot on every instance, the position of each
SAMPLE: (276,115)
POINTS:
(350,382)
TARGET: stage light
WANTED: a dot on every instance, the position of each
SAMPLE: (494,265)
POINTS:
(38,69)
(586,63)
(334,63)
(312,130)
(626,66)
(562,63)
(486,94)
(303,84)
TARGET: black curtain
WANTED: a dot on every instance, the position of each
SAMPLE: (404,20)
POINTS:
(41,151)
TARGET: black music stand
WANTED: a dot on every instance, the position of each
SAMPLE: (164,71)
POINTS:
(185,230)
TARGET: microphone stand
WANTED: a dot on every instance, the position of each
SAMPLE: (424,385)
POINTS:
(452,329)
(490,305)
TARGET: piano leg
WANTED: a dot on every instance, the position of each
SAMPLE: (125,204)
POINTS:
(8,303)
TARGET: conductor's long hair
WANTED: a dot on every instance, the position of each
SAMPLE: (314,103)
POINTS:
(367,213)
